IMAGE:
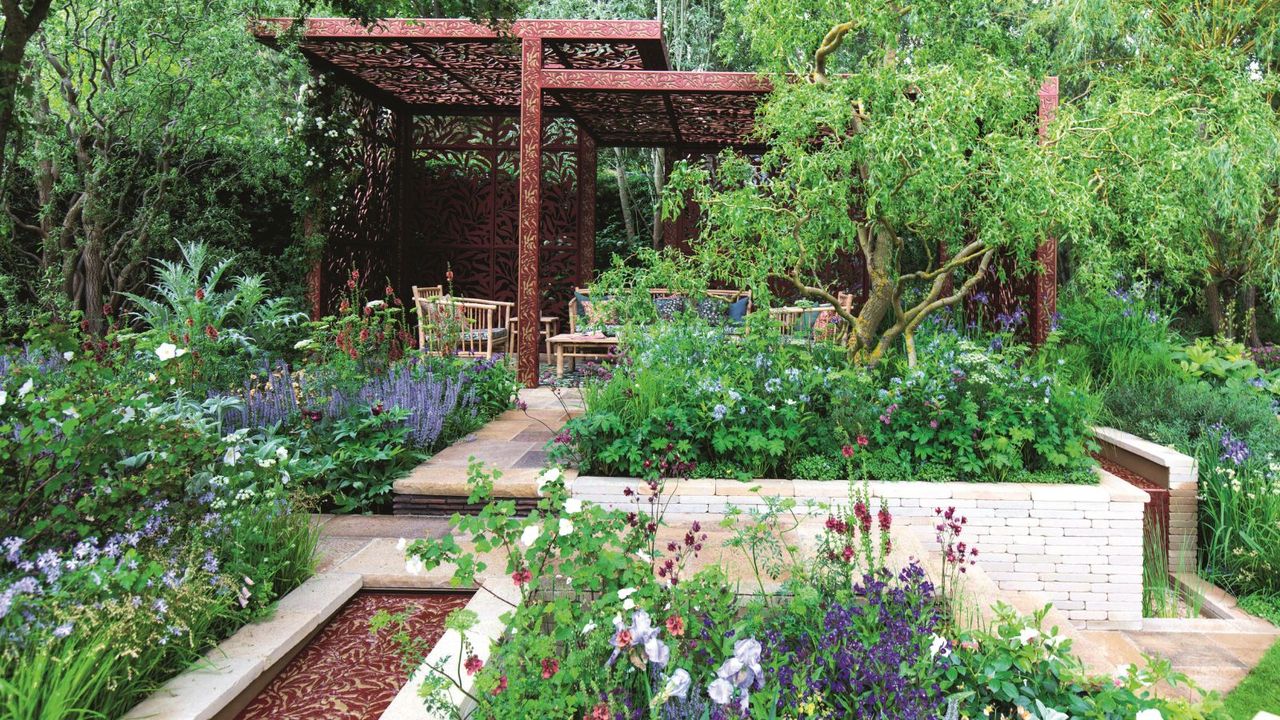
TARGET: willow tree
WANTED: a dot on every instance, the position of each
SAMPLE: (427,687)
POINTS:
(928,169)
(1178,138)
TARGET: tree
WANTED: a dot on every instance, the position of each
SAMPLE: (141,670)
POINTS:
(21,23)
(142,112)
(1178,139)
(894,161)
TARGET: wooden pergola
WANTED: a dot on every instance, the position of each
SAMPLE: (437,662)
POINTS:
(612,78)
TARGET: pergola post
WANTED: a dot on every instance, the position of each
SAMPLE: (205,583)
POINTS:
(528,295)
(586,206)
(1045,284)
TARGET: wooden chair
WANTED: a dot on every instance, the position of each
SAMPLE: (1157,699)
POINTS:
(464,327)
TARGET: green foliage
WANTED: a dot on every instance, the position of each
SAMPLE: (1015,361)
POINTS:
(1228,363)
(360,456)
(757,406)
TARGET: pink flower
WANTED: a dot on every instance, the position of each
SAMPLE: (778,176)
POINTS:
(847,451)
(473,665)
(550,666)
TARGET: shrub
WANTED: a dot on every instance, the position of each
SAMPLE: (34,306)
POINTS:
(759,406)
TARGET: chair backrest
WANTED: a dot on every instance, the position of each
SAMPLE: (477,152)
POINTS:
(427,291)
(469,328)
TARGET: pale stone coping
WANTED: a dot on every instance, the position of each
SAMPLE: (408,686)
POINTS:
(1264,715)
(498,596)
(230,668)
(1156,453)
(1109,489)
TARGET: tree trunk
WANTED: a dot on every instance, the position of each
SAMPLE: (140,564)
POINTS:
(659,182)
(19,28)
(1249,302)
(1213,306)
(624,196)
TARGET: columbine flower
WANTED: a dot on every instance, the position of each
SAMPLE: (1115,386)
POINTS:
(939,645)
(530,535)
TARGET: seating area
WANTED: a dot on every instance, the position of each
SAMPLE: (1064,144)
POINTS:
(480,328)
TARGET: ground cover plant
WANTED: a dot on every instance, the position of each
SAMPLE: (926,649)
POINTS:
(616,621)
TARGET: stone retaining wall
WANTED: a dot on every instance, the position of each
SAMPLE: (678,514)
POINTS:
(1167,468)
(1080,546)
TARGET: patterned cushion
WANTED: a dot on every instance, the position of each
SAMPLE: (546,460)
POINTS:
(669,307)
(481,335)
(712,310)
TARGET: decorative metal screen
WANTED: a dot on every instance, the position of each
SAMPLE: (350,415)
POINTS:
(462,208)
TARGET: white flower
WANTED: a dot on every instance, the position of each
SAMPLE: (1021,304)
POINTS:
(232,456)
(720,691)
(588,628)
(282,453)
(939,645)
(628,604)
(3,397)
(151,377)
(68,355)
(644,557)
(1148,714)
(625,593)
(302,344)
(566,526)
(414,565)
(676,686)
(1028,634)
(169,351)
(26,388)
(573,506)
(1048,713)
(530,534)
(548,475)
(401,544)
(374,304)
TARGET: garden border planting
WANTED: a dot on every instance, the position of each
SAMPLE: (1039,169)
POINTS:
(1078,545)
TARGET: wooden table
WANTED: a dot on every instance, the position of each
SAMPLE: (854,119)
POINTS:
(577,346)
(550,326)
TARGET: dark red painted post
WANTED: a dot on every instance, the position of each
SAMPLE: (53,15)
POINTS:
(403,170)
(1045,285)
(586,206)
(529,295)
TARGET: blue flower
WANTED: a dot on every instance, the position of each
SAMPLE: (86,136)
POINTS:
(718,412)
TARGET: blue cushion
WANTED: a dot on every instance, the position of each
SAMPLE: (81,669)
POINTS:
(738,309)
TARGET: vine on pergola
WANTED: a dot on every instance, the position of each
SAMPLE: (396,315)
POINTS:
(926,170)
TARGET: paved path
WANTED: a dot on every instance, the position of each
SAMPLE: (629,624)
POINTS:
(513,442)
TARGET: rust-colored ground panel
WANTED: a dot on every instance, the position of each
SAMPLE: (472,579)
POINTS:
(345,673)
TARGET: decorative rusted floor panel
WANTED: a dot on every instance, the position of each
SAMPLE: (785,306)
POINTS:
(345,673)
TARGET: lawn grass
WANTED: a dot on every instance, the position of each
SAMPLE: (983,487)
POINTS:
(1260,690)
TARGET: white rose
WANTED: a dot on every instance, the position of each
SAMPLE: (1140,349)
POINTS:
(169,351)
(625,593)
(68,355)
(573,506)
(1028,634)
(549,475)
(566,526)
